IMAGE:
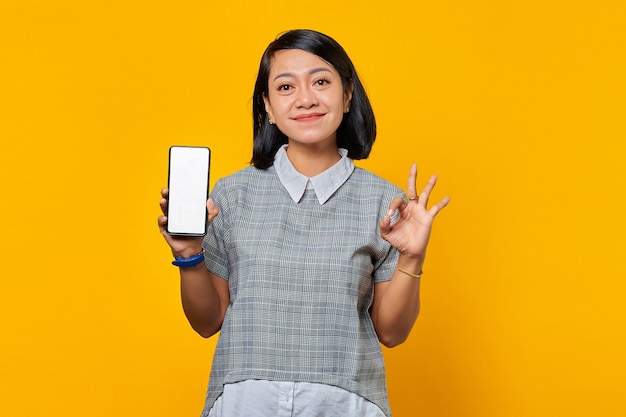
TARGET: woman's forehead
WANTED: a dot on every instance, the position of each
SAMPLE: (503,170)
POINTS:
(297,61)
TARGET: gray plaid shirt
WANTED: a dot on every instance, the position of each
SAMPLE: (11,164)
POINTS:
(300,268)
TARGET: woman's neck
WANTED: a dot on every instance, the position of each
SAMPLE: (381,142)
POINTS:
(312,160)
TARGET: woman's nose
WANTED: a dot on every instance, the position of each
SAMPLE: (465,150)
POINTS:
(306,98)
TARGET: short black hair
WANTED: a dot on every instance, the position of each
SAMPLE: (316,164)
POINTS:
(357,130)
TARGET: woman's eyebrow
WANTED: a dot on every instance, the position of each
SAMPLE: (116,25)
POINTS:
(291,74)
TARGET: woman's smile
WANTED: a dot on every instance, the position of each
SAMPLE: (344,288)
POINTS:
(308,117)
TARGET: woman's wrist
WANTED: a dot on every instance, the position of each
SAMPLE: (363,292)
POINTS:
(410,264)
(189,261)
(187,252)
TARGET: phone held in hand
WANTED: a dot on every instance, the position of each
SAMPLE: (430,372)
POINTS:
(188,183)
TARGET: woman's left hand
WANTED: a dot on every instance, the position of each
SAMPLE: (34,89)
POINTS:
(411,231)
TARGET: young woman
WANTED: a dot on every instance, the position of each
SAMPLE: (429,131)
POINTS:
(309,262)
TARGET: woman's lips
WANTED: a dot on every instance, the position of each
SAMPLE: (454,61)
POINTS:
(308,117)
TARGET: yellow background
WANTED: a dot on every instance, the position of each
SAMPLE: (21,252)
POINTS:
(519,106)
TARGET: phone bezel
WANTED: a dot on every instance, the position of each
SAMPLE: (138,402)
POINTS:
(169,176)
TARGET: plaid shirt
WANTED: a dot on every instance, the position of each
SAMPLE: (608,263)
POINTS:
(301,270)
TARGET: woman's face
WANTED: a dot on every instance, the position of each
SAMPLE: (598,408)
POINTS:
(306,98)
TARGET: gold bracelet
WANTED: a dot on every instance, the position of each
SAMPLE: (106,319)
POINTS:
(410,274)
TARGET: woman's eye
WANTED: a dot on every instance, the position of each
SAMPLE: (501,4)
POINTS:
(284,87)
(321,82)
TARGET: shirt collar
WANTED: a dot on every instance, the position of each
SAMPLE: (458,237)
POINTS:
(325,184)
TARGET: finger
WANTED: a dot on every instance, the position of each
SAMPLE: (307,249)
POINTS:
(439,206)
(385,225)
(162,221)
(425,195)
(165,192)
(211,209)
(397,203)
(411,191)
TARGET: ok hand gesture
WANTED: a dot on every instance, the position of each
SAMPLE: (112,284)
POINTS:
(410,233)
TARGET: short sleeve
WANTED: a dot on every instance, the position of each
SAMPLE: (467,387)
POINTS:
(385,266)
(215,241)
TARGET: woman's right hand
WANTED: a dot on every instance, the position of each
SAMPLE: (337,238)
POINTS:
(183,246)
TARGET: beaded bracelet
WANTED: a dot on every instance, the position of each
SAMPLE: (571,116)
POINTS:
(189,262)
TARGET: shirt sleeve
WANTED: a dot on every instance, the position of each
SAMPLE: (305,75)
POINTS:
(215,241)
(385,266)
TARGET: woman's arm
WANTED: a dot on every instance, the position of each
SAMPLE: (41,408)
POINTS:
(205,296)
(396,302)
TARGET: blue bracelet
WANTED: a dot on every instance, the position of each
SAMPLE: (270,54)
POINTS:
(189,262)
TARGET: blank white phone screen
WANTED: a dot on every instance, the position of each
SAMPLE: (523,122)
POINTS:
(188,190)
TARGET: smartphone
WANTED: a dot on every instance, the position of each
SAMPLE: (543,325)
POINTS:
(188,183)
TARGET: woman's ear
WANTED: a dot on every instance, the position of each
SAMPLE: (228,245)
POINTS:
(268,110)
(347,96)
